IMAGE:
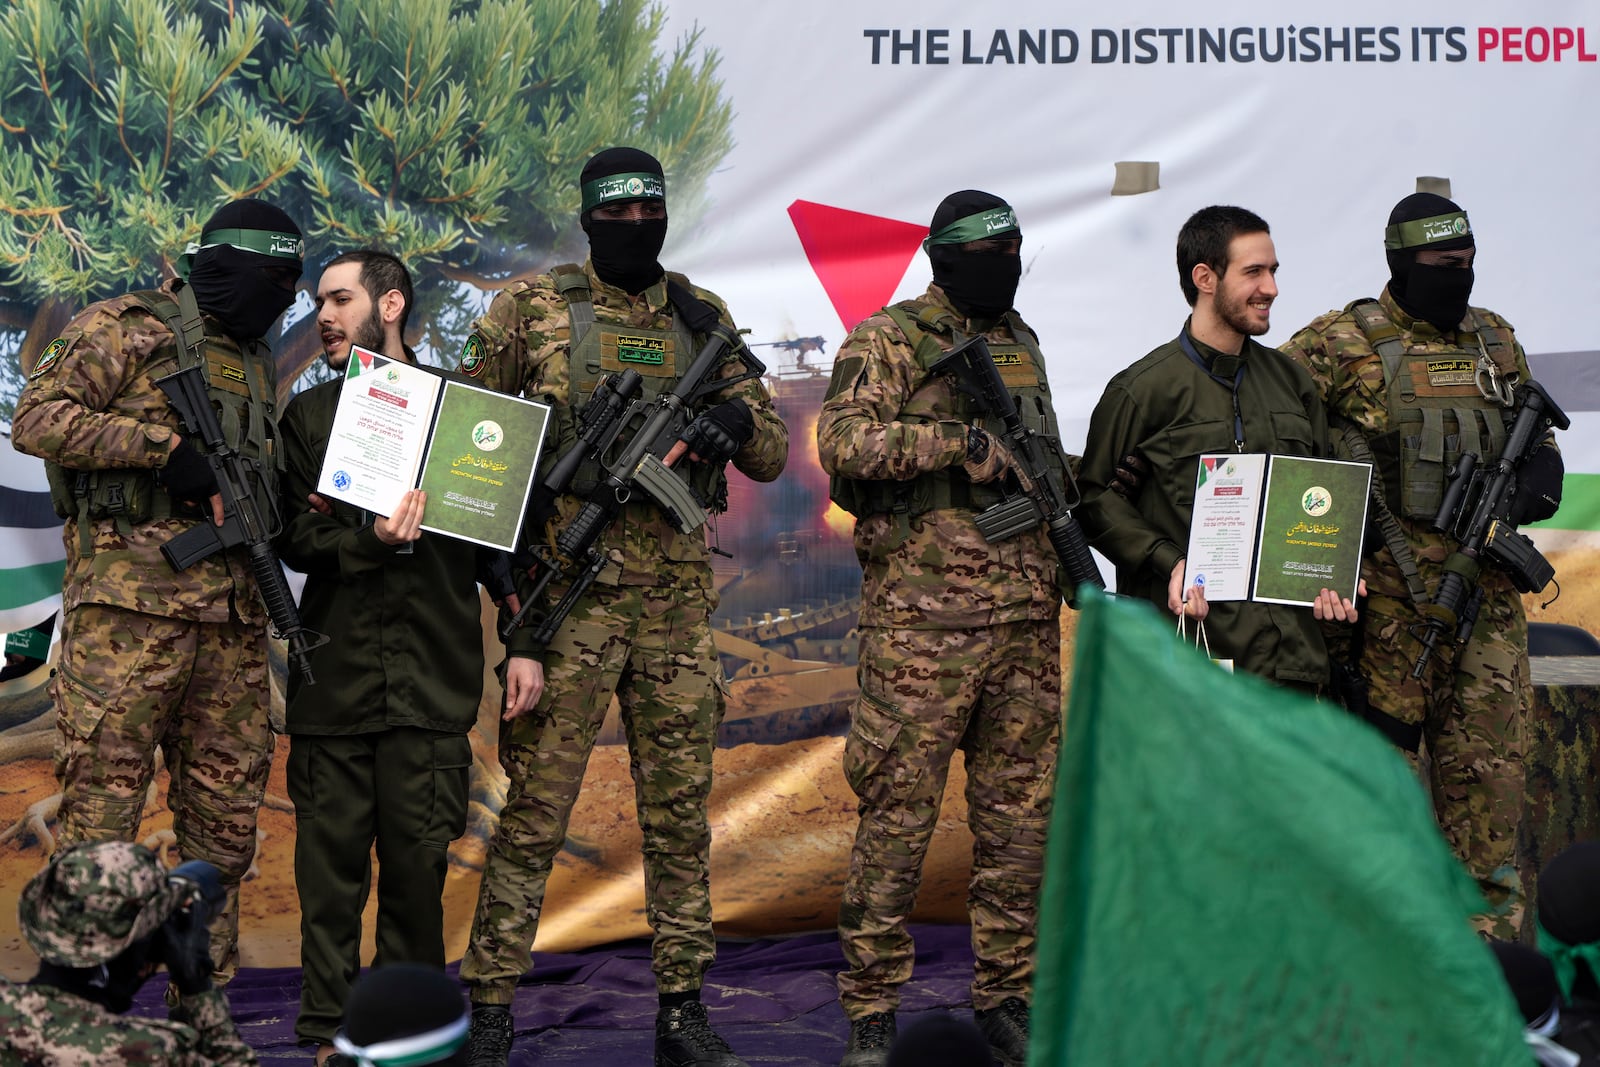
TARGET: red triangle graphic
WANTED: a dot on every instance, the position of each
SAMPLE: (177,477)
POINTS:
(858,258)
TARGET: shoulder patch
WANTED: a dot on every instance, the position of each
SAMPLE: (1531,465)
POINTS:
(474,354)
(47,359)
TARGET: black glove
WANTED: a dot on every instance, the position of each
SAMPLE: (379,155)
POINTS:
(493,572)
(715,435)
(186,935)
(1538,492)
(188,475)
(1129,476)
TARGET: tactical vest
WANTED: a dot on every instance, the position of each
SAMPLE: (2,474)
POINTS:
(1021,367)
(597,349)
(1436,411)
(241,385)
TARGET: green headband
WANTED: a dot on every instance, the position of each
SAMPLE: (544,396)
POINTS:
(28,643)
(430,1047)
(1565,958)
(984,224)
(1420,232)
(635,186)
(265,242)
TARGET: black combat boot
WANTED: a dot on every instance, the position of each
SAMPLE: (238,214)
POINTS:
(870,1038)
(489,1039)
(684,1038)
(1006,1027)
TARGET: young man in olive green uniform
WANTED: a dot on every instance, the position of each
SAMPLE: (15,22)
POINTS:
(151,657)
(1423,377)
(1212,389)
(642,631)
(379,752)
(960,638)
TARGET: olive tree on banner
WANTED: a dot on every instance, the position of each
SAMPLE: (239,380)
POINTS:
(447,132)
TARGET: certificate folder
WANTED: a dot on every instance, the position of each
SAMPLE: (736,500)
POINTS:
(475,452)
(1276,529)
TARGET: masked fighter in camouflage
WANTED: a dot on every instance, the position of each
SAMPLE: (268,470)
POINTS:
(642,631)
(103,917)
(1421,377)
(960,638)
(151,657)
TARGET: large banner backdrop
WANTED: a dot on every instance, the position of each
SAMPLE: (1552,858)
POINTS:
(806,147)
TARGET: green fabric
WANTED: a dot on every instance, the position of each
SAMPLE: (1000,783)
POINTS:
(991,222)
(1565,958)
(1419,233)
(632,186)
(1239,875)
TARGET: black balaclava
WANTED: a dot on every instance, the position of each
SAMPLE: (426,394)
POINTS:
(1434,294)
(237,270)
(624,254)
(982,285)
(1568,917)
(1531,978)
(405,1012)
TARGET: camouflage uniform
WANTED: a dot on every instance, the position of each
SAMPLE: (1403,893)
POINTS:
(42,1025)
(960,648)
(1470,705)
(150,658)
(641,632)
(88,908)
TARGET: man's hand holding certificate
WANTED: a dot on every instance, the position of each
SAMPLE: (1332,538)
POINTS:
(1278,530)
(400,427)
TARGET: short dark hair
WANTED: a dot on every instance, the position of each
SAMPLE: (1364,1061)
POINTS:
(1205,239)
(380,272)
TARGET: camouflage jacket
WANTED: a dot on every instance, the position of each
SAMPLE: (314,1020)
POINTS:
(944,575)
(1169,411)
(1349,378)
(91,403)
(520,346)
(41,1025)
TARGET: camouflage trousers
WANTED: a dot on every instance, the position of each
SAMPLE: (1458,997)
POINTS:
(994,693)
(652,647)
(130,683)
(1472,703)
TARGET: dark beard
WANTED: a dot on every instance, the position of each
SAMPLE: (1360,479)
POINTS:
(370,334)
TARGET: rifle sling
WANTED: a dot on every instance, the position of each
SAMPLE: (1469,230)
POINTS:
(1393,536)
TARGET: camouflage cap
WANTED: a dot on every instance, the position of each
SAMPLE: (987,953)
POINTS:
(93,901)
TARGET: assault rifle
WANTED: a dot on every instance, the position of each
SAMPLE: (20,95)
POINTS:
(656,426)
(243,522)
(1476,511)
(1050,499)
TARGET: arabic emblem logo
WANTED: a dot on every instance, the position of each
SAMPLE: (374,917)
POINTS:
(487,435)
(1316,501)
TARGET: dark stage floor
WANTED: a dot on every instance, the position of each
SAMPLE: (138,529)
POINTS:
(773,1000)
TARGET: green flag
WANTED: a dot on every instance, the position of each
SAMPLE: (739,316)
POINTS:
(1239,875)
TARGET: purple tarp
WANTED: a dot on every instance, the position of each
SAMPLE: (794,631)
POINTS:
(773,1000)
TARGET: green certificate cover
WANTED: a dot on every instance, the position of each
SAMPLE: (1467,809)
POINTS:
(1312,520)
(481,464)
